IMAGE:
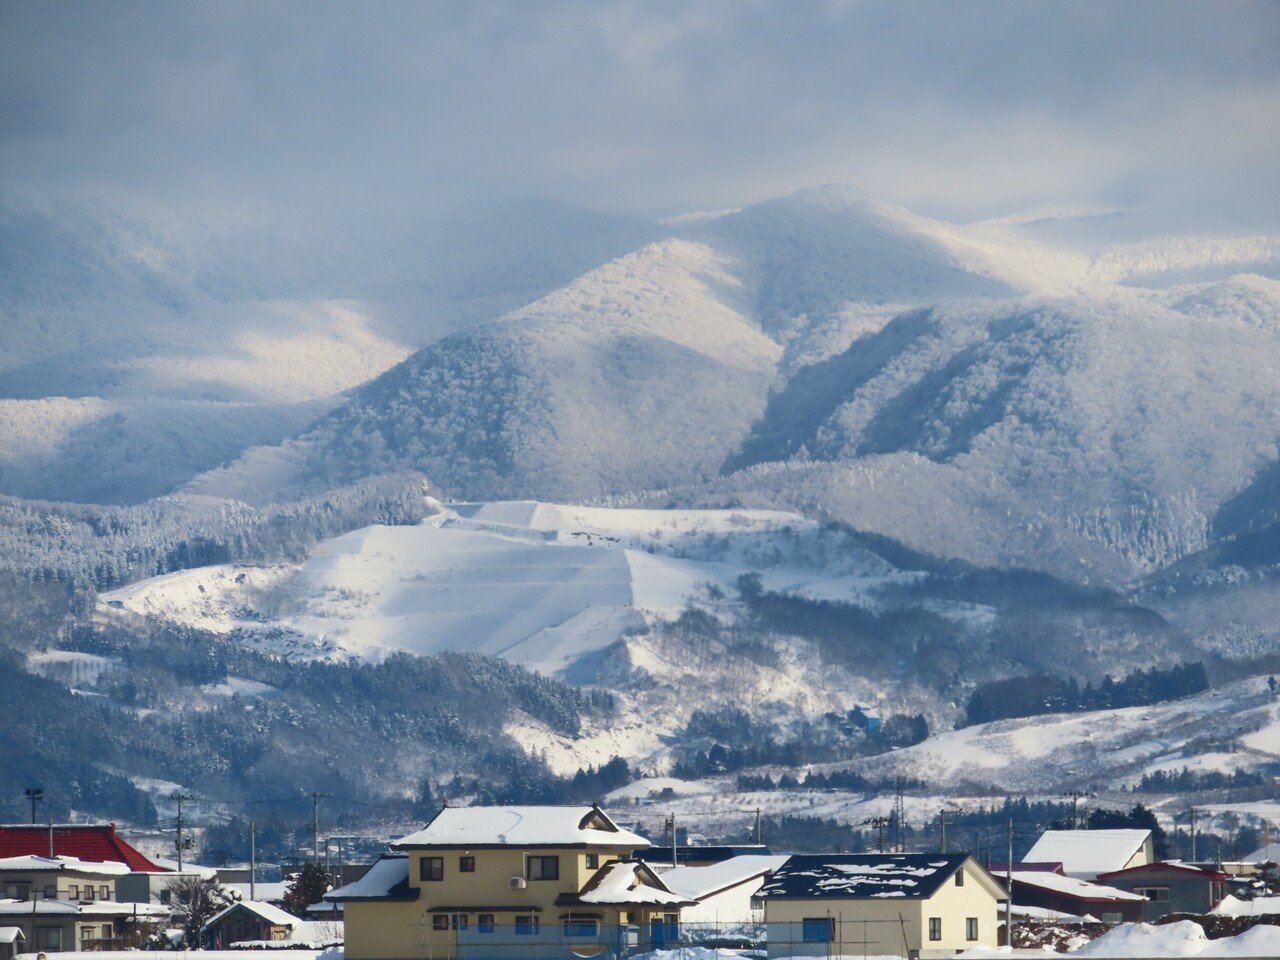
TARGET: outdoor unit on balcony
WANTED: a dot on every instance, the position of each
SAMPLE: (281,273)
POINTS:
(518,883)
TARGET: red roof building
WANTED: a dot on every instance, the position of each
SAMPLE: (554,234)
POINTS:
(86,841)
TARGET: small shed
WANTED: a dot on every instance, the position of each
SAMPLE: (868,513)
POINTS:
(248,920)
(11,940)
(1053,891)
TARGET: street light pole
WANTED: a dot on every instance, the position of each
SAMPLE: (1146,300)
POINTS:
(35,795)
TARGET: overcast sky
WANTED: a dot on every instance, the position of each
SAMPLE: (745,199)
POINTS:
(958,109)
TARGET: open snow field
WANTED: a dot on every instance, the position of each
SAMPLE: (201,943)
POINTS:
(541,584)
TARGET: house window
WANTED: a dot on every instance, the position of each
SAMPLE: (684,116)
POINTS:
(86,934)
(1112,917)
(935,928)
(87,892)
(49,938)
(166,896)
(73,892)
(593,861)
(459,921)
(17,891)
(50,892)
(544,868)
(432,868)
(104,893)
(466,864)
(440,922)
(581,927)
(971,928)
(106,931)
(526,925)
(484,922)
(959,878)
(817,930)
(1152,893)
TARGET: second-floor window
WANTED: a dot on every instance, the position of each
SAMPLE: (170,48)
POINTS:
(432,868)
(593,861)
(104,893)
(544,868)
(466,864)
(971,928)
(88,892)
(73,892)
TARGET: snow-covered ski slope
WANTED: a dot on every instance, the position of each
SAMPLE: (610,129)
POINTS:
(540,584)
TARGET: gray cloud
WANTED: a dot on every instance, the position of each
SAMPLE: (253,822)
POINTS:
(962,109)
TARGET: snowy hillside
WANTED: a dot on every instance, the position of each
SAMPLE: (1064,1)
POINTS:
(543,585)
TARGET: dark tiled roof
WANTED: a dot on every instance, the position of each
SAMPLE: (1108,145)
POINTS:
(96,842)
(910,876)
(660,854)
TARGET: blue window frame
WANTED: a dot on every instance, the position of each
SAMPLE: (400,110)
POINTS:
(581,927)
(817,930)
(484,922)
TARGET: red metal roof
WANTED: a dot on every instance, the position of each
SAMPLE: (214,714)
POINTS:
(1159,865)
(95,842)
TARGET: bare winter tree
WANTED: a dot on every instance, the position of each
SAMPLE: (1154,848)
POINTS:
(195,900)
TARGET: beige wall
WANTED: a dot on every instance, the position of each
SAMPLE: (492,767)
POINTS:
(890,926)
(394,931)
(63,881)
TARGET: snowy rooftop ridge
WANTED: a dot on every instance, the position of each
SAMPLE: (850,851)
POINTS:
(1088,853)
(380,882)
(39,864)
(1072,886)
(268,912)
(522,826)
(699,882)
(626,882)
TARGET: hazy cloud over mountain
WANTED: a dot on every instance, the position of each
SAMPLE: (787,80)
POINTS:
(957,109)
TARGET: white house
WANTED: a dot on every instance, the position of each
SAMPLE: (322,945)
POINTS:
(722,892)
(1085,854)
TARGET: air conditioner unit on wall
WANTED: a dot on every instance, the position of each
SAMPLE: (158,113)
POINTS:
(518,883)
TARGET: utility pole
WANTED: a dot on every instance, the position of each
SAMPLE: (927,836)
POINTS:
(253,860)
(1075,796)
(942,822)
(1193,834)
(34,795)
(759,830)
(180,797)
(879,823)
(1008,883)
(674,835)
(315,824)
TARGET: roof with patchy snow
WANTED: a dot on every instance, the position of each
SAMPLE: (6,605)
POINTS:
(388,879)
(1071,886)
(912,876)
(550,826)
(1087,853)
(700,882)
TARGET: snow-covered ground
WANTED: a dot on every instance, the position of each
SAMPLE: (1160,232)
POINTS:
(541,584)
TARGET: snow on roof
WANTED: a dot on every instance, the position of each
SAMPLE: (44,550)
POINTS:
(1183,938)
(11,934)
(313,934)
(1072,886)
(208,873)
(913,876)
(1087,853)
(266,892)
(521,827)
(38,864)
(1044,913)
(699,882)
(1271,852)
(70,908)
(627,881)
(268,912)
(380,880)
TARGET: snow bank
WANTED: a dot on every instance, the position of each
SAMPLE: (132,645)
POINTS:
(1182,939)
(1233,907)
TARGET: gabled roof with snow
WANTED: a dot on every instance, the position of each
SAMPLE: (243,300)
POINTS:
(268,912)
(388,879)
(1072,886)
(626,882)
(1271,852)
(1088,853)
(11,934)
(551,826)
(700,882)
(912,876)
(71,908)
(97,843)
(38,864)
(1165,866)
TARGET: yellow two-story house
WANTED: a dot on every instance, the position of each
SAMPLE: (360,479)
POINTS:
(517,881)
